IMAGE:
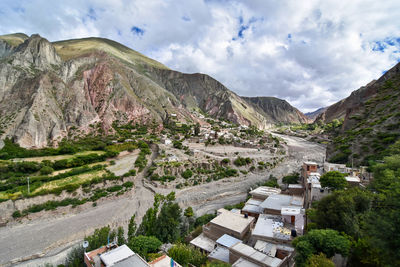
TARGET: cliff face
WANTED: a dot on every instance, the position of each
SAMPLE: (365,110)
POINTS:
(277,110)
(371,120)
(47,89)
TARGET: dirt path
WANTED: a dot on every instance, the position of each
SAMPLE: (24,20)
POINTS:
(48,237)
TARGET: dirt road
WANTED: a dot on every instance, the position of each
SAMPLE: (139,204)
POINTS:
(48,237)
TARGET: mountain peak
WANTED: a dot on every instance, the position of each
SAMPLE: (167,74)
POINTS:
(36,51)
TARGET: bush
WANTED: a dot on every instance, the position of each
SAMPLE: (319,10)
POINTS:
(114,188)
(129,173)
(128,184)
(239,161)
(187,174)
(16,214)
(225,161)
(46,170)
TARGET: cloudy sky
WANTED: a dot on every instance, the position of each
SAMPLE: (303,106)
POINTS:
(311,53)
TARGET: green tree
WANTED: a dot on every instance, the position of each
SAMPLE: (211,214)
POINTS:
(383,223)
(197,129)
(144,245)
(319,260)
(334,180)
(291,179)
(168,221)
(148,225)
(187,174)
(189,212)
(184,255)
(120,236)
(343,210)
(132,228)
(75,257)
(100,238)
(46,170)
(327,241)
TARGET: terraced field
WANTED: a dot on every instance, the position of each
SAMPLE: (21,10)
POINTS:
(58,157)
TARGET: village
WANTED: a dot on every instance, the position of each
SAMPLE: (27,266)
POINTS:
(259,234)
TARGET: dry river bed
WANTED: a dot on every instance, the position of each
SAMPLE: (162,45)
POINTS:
(48,240)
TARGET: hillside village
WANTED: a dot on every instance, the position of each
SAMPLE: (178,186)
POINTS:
(258,234)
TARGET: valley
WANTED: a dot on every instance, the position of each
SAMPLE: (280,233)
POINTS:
(45,236)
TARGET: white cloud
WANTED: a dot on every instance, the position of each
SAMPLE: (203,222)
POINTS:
(311,53)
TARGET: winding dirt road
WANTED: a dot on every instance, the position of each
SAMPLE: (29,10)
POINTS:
(48,239)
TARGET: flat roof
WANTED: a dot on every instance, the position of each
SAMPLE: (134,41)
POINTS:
(253,254)
(227,241)
(291,210)
(163,261)
(252,209)
(266,247)
(203,242)
(118,254)
(271,227)
(232,221)
(354,179)
(220,253)
(253,201)
(310,163)
(295,186)
(134,260)
(265,191)
(276,202)
(244,263)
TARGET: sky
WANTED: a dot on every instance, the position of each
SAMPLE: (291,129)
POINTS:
(310,53)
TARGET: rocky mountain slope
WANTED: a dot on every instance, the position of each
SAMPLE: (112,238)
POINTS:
(313,115)
(49,89)
(371,120)
(275,109)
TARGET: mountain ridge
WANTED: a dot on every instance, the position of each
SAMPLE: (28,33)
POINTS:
(48,88)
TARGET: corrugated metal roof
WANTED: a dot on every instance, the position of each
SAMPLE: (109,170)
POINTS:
(276,202)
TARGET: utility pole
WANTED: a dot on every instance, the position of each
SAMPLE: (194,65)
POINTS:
(29,192)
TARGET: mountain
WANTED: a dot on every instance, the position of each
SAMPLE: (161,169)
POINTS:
(275,109)
(48,90)
(371,120)
(313,115)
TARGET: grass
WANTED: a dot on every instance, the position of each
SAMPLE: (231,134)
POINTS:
(14,39)
(59,157)
(74,48)
(72,180)
(69,169)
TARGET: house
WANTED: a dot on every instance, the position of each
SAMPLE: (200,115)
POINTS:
(264,192)
(353,180)
(164,261)
(308,167)
(204,243)
(167,141)
(252,207)
(272,228)
(234,224)
(113,255)
(296,189)
(313,189)
(274,203)
(221,251)
(244,255)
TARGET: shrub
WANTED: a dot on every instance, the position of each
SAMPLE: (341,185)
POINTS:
(16,214)
(46,170)
(127,184)
(114,188)
(187,174)
(225,161)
